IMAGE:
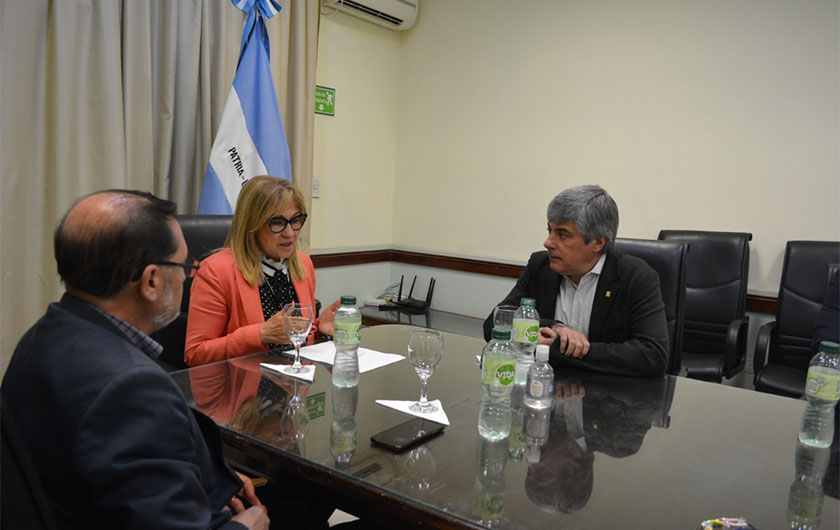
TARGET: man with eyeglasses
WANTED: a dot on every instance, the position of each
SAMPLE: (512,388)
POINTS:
(115,444)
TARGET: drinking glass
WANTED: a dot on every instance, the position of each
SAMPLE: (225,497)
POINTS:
(425,349)
(419,468)
(503,316)
(298,319)
(294,425)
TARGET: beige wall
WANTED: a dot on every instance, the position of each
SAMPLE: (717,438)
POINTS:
(702,115)
(355,149)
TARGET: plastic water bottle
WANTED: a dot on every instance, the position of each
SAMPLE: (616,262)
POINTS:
(539,390)
(805,501)
(822,388)
(497,373)
(526,325)
(516,441)
(348,333)
(535,430)
(489,492)
(343,430)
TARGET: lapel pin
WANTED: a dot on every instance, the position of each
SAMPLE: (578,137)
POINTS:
(607,294)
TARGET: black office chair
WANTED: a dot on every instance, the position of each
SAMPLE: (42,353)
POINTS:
(23,503)
(783,346)
(667,258)
(203,234)
(715,332)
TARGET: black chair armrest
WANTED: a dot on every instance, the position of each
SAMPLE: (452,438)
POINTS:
(736,345)
(766,335)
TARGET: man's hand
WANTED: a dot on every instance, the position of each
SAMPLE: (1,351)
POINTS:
(568,390)
(546,336)
(326,322)
(255,518)
(247,492)
(573,343)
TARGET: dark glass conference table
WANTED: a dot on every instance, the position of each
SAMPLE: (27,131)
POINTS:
(614,452)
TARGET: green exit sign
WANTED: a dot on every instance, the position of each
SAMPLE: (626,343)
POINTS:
(324,100)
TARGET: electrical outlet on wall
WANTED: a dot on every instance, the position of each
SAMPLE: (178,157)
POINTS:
(316,187)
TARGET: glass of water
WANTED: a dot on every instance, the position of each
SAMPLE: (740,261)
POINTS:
(298,319)
(425,349)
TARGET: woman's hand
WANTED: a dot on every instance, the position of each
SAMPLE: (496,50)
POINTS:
(326,322)
(273,330)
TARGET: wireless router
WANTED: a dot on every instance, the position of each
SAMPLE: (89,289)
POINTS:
(410,305)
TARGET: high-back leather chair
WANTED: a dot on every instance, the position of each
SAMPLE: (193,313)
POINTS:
(828,323)
(715,333)
(783,346)
(203,234)
(667,258)
(23,503)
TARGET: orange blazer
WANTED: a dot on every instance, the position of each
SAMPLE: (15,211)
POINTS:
(226,312)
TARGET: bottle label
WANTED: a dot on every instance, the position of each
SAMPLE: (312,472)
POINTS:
(536,388)
(804,507)
(516,438)
(498,372)
(348,332)
(343,441)
(525,330)
(489,505)
(822,385)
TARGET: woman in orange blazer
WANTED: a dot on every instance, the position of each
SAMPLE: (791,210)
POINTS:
(238,294)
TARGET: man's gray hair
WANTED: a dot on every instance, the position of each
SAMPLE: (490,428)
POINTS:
(593,211)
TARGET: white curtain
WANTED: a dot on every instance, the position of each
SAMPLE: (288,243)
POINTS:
(98,94)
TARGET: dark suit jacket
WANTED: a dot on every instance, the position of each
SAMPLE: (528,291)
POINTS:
(628,332)
(113,440)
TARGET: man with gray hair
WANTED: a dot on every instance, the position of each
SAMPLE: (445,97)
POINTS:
(599,309)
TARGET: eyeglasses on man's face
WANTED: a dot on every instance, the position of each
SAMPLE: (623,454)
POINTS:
(279,223)
(190,266)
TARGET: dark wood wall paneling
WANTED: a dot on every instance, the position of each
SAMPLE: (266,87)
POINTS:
(755,303)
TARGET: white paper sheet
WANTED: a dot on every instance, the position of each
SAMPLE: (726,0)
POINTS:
(438,416)
(308,375)
(324,352)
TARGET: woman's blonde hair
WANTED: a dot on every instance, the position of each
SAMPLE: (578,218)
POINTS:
(260,199)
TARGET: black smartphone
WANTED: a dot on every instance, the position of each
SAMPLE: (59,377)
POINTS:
(407,434)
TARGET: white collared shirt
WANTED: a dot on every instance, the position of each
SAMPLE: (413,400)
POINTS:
(574,302)
(269,266)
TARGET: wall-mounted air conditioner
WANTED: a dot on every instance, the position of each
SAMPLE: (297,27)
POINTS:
(392,14)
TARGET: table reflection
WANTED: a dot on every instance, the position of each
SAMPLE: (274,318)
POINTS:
(239,395)
(682,450)
(343,430)
(604,414)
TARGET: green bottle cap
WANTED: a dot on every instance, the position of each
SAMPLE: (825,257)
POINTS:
(348,299)
(528,302)
(830,347)
(500,334)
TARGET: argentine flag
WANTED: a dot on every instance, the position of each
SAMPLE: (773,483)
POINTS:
(250,140)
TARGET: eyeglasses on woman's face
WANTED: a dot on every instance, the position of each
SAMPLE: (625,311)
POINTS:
(279,223)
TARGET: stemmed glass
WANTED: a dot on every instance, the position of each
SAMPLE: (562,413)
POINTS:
(425,349)
(295,421)
(420,468)
(298,319)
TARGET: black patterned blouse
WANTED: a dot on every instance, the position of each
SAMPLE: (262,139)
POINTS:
(275,292)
